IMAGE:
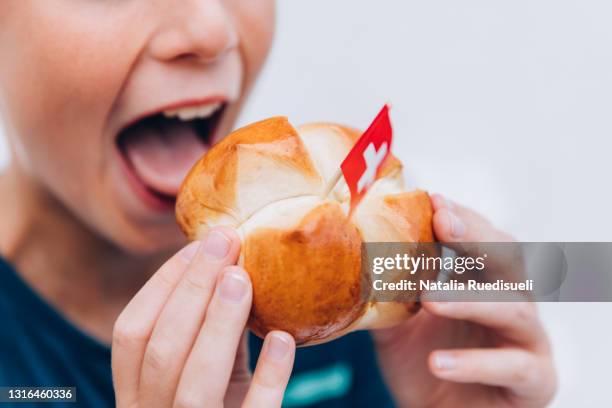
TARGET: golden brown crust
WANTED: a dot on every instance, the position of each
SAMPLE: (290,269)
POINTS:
(416,210)
(307,280)
(210,189)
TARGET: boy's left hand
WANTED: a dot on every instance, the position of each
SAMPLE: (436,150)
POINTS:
(476,354)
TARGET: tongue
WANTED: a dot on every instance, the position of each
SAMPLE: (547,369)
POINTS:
(162,155)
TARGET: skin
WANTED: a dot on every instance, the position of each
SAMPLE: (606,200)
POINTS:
(72,73)
(480,354)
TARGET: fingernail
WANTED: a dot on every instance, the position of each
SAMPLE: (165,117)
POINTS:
(457,226)
(216,245)
(188,252)
(233,287)
(445,362)
(277,348)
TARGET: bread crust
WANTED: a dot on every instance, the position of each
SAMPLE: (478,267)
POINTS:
(210,192)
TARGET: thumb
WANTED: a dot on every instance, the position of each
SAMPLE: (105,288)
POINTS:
(469,233)
(454,223)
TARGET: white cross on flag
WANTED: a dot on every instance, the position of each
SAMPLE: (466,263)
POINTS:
(362,165)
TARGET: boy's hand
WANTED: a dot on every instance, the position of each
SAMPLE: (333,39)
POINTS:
(476,354)
(180,341)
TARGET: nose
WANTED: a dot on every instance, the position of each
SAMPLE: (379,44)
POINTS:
(200,29)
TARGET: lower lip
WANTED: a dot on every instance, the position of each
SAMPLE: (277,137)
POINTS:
(152,201)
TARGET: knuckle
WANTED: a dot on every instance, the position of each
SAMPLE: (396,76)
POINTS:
(164,280)
(230,233)
(266,382)
(197,282)
(269,378)
(126,334)
(226,318)
(222,323)
(157,357)
(524,312)
(186,400)
(192,400)
(525,372)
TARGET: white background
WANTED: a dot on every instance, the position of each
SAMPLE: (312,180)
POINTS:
(505,106)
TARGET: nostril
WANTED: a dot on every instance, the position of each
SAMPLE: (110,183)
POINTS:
(203,37)
(187,56)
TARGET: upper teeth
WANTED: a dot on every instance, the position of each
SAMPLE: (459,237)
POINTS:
(193,112)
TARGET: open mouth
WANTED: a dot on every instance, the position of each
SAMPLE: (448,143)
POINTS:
(160,149)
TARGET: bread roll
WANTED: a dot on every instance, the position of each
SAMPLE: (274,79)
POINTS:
(302,252)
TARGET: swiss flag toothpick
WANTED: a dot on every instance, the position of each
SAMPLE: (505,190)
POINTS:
(362,165)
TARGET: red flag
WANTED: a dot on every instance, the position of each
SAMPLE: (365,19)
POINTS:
(363,163)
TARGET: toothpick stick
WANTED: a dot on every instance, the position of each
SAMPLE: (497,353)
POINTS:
(332,183)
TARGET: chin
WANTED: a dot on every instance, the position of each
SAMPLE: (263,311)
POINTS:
(151,241)
(139,233)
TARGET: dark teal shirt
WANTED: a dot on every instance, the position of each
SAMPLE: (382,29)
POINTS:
(39,347)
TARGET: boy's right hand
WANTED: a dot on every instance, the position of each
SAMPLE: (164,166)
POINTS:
(180,341)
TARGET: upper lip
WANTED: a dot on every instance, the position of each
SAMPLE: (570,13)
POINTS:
(185,103)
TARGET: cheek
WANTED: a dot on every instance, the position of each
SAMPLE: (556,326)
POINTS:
(255,21)
(60,72)
(61,68)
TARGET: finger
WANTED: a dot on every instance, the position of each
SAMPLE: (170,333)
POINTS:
(517,321)
(438,201)
(525,374)
(455,223)
(135,324)
(181,319)
(272,371)
(214,353)
(469,233)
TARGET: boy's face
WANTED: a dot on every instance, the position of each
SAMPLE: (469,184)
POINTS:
(84,85)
